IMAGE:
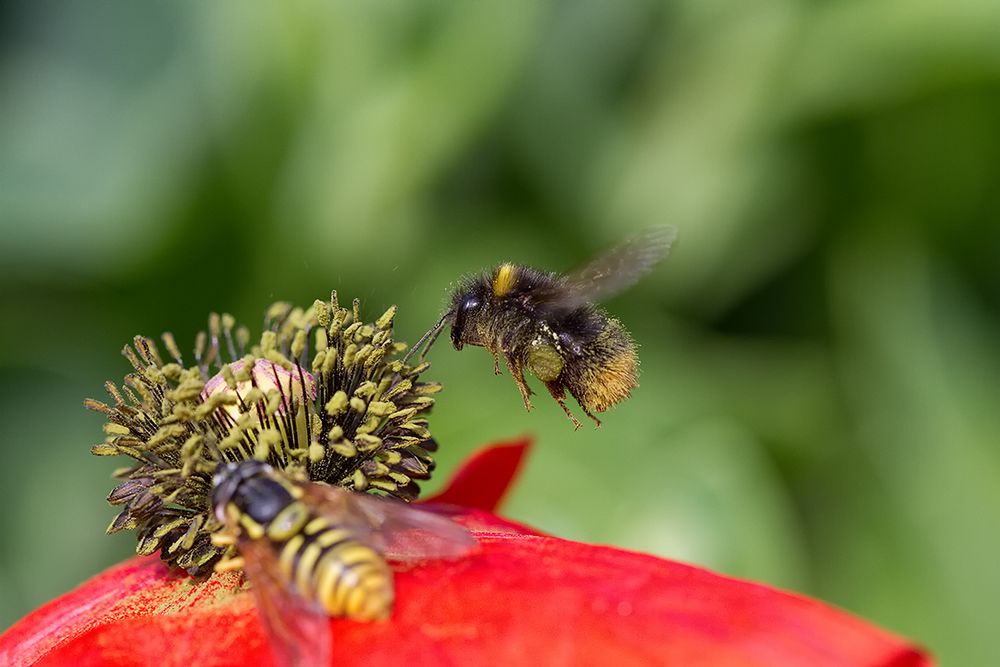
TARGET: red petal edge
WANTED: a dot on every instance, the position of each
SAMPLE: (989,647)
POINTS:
(482,481)
(520,597)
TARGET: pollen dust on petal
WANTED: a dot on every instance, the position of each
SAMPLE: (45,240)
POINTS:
(186,593)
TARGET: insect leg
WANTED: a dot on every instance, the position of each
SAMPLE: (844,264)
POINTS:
(517,372)
(597,422)
(496,362)
(583,406)
(555,388)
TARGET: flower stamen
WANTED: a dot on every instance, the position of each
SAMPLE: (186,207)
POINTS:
(321,396)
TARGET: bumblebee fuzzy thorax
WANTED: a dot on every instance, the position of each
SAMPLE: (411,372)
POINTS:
(488,309)
(321,397)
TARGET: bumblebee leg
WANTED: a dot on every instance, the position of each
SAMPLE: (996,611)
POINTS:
(597,422)
(517,372)
(583,406)
(558,392)
(496,362)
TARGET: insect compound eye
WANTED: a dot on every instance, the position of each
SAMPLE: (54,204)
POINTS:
(221,473)
(224,484)
(469,303)
(262,499)
(224,473)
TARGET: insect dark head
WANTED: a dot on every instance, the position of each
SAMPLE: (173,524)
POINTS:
(467,303)
(229,481)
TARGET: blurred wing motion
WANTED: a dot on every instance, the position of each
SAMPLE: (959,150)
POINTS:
(299,632)
(609,273)
(398,531)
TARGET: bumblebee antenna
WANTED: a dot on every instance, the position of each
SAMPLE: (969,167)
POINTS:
(427,340)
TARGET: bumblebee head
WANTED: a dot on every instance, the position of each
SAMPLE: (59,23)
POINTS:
(229,477)
(465,310)
(468,305)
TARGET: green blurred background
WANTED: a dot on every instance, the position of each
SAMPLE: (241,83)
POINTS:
(820,352)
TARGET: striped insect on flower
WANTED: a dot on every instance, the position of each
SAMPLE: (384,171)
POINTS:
(313,551)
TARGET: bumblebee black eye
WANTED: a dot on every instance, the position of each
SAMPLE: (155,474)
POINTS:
(469,303)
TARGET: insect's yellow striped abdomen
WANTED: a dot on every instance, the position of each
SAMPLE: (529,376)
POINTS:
(329,566)
(354,581)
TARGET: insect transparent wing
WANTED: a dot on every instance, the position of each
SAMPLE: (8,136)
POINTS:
(298,632)
(398,531)
(610,272)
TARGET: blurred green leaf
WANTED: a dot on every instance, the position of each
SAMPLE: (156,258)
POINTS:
(915,379)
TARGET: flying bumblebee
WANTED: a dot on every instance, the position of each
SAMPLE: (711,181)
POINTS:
(313,551)
(548,323)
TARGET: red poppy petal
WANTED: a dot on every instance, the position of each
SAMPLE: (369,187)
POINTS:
(483,479)
(521,597)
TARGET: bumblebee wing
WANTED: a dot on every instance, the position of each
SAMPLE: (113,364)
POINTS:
(400,532)
(298,632)
(610,272)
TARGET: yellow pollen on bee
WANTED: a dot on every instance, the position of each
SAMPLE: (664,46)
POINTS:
(505,279)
